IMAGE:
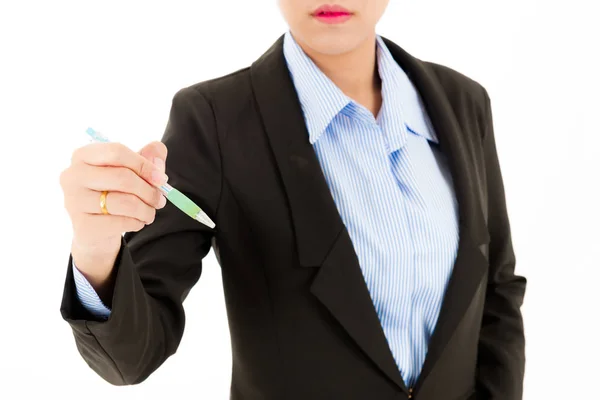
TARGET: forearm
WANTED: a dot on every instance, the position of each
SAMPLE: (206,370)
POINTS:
(136,338)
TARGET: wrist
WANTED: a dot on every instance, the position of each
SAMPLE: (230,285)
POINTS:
(96,262)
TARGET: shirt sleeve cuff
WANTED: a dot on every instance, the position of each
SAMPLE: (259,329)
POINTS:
(88,296)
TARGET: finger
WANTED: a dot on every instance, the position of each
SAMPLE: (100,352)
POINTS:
(117,179)
(117,203)
(118,155)
(155,152)
(108,225)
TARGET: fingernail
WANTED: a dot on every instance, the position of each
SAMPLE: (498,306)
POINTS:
(159,177)
(160,163)
(162,202)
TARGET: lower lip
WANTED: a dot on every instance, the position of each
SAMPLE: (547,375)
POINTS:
(333,18)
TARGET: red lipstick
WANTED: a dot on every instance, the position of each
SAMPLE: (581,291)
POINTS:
(332,14)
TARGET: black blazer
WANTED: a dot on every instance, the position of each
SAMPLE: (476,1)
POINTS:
(302,322)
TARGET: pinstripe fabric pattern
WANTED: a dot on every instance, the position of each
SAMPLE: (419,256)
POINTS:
(88,296)
(393,191)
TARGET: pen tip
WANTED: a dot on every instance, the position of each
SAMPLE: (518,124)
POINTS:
(205,220)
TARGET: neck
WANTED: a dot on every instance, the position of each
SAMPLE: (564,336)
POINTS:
(354,72)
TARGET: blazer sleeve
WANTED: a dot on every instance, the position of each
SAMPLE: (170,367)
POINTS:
(157,266)
(501,357)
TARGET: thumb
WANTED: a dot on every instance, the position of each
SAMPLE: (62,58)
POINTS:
(155,152)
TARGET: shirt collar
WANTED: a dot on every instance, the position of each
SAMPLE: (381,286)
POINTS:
(401,100)
(321,100)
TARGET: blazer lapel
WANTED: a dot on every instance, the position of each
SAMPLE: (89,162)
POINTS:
(314,214)
(470,265)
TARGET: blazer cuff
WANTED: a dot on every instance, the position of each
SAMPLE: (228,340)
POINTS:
(78,305)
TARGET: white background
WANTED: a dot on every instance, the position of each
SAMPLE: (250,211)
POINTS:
(116,65)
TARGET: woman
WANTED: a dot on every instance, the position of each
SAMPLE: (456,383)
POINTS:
(361,225)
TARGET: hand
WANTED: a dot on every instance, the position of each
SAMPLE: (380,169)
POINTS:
(132,181)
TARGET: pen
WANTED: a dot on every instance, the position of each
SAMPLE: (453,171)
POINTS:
(180,200)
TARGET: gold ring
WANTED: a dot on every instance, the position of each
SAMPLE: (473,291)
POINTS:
(103,203)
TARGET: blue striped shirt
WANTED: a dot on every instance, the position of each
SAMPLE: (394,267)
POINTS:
(393,190)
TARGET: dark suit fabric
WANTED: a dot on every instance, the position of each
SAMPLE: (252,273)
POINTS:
(302,322)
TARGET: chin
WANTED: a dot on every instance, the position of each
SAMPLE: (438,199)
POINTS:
(332,42)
